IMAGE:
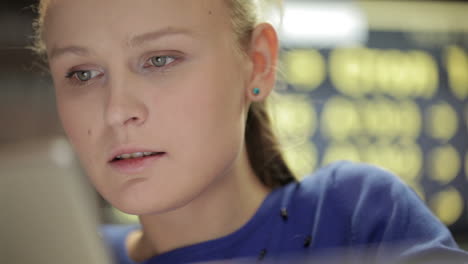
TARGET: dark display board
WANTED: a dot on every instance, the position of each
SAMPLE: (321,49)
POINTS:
(393,103)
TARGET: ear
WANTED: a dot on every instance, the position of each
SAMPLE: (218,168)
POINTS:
(263,54)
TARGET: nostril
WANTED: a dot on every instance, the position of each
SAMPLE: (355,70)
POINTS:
(133,119)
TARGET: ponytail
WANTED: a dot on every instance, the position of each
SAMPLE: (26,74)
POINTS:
(263,148)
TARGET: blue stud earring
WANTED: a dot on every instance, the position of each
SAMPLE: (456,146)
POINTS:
(256,91)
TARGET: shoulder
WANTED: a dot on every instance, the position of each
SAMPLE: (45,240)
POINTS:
(373,204)
(344,172)
(356,190)
(350,180)
(375,207)
(347,196)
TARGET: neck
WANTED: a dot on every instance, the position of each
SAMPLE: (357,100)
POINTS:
(220,210)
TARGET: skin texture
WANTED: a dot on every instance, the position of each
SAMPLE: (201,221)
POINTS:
(193,109)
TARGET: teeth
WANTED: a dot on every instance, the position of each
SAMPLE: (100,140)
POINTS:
(126,156)
(135,155)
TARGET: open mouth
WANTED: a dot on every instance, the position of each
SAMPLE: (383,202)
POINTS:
(136,155)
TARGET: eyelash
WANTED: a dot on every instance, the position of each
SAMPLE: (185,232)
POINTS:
(73,79)
(148,61)
(71,76)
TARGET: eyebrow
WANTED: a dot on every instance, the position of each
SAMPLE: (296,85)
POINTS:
(77,50)
(154,35)
(135,41)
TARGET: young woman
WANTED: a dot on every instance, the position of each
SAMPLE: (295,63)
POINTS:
(163,101)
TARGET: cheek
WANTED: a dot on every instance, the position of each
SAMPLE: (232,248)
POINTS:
(78,127)
(208,118)
(78,114)
(210,96)
(70,119)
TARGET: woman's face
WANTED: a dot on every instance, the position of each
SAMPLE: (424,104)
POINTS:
(149,77)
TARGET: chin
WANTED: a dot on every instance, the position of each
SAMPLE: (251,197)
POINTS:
(151,204)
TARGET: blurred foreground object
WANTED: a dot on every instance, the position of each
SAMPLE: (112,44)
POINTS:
(46,214)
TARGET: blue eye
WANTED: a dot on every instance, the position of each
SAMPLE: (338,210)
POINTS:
(79,78)
(161,61)
(82,76)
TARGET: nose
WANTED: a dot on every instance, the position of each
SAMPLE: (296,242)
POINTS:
(125,107)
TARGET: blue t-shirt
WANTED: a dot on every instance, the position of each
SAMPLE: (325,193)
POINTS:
(343,211)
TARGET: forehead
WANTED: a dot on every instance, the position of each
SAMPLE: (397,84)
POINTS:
(121,20)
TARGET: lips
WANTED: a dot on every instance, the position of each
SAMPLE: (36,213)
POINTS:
(133,160)
(135,155)
(132,153)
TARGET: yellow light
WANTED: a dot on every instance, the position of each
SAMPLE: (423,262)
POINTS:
(294,121)
(457,69)
(447,205)
(391,158)
(392,74)
(302,159)
(305,69)
(346,69)
(426,74)
(340,119)
(341,151)
(412,161)
(442,121)
(380,117)
(444,163)
(410,119)
(361,71)
(382,155)
(403,160)
(293,117)
(370,154)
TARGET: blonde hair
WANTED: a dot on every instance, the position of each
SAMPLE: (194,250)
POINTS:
(262,145)
(38,26)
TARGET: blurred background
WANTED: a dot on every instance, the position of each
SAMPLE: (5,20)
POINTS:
(382,82)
